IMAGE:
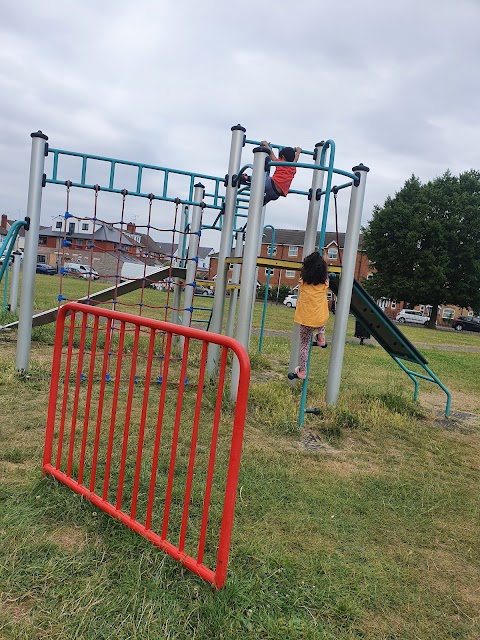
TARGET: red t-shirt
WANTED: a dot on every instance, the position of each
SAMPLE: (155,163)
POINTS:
(283,177)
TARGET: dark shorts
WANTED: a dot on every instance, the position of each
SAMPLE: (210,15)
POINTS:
(271,192)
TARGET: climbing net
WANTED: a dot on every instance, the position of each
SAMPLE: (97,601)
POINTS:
(126,269)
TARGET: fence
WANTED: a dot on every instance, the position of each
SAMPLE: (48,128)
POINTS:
(134,428)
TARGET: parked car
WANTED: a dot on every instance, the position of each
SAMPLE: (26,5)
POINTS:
(467,323)
(80,270)
(291,300)
(410,315)
(46,269)
(200,290)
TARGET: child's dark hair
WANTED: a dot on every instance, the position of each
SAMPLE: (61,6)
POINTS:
(314,269)
(287,153)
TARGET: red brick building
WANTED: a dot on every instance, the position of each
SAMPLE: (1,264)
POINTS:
(288,245)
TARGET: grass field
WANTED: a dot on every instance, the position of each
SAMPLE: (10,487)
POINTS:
(363,525)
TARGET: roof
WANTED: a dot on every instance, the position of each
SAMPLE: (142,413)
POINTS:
(105,233)
(204,252)
(162,248)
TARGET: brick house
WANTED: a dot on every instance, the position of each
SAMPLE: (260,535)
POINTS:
(289,246)
(80,236)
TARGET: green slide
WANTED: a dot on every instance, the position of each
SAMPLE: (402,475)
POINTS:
(388,336)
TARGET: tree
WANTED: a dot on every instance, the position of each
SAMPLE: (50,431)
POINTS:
(425,243)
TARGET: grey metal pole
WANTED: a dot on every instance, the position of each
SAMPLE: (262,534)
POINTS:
(15,281)
(309,243)
(235,280)
(250,254)
(346,283)
(34,205)
(182,254)
(193,244)
(216,323)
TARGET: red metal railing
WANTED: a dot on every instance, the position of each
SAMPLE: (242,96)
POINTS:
(152,444)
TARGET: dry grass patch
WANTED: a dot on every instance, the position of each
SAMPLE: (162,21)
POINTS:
(69,538)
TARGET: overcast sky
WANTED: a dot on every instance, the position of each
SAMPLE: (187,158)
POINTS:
(394,84)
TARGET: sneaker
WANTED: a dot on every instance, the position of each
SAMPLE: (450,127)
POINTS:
(320,340)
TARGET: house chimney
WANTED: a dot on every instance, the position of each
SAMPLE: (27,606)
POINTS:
(4,221)
(130,227)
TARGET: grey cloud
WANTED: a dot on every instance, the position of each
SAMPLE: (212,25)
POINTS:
(162,83)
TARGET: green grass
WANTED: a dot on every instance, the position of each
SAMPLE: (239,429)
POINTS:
(373,535)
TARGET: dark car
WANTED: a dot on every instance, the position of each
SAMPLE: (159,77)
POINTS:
(46,269)
(467,323)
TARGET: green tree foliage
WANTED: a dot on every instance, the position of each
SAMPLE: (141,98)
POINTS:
(425,243)
(275,294)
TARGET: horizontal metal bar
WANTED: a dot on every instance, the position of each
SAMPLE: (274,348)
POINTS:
(277,146)
(305,165)
(141,165)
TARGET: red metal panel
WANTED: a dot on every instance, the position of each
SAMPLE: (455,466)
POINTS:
(187,446)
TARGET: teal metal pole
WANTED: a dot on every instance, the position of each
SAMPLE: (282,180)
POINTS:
(5,289)
(303,397)
(8,244)
(267,285)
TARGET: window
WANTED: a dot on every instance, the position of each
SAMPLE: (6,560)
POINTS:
(42,240)
(274,252)
(42,259)
(58,225)
(269,271)
(84,226)
(293,251)
(422,308)
(332,253)
(393,305)
(289,273)
(448,314)
(369,276)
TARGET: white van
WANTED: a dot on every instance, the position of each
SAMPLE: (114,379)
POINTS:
(80,270)
(410,315)
(137,270)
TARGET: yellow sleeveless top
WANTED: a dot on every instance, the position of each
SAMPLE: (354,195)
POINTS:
(312,305)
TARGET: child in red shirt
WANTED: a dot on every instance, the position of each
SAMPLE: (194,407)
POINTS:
(278,184)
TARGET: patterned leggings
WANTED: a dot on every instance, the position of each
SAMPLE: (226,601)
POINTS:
(305,338)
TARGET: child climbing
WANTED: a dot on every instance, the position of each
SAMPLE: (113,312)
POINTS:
(312,308)
(278,184)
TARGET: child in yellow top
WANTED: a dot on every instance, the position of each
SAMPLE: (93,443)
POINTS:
(312,307)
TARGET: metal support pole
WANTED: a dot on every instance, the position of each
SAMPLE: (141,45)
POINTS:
(182,254)
(309,243)
(235,280)
(216,323)
(193,245)
(250,254)
(346,283)
(34,205)
(15,281)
